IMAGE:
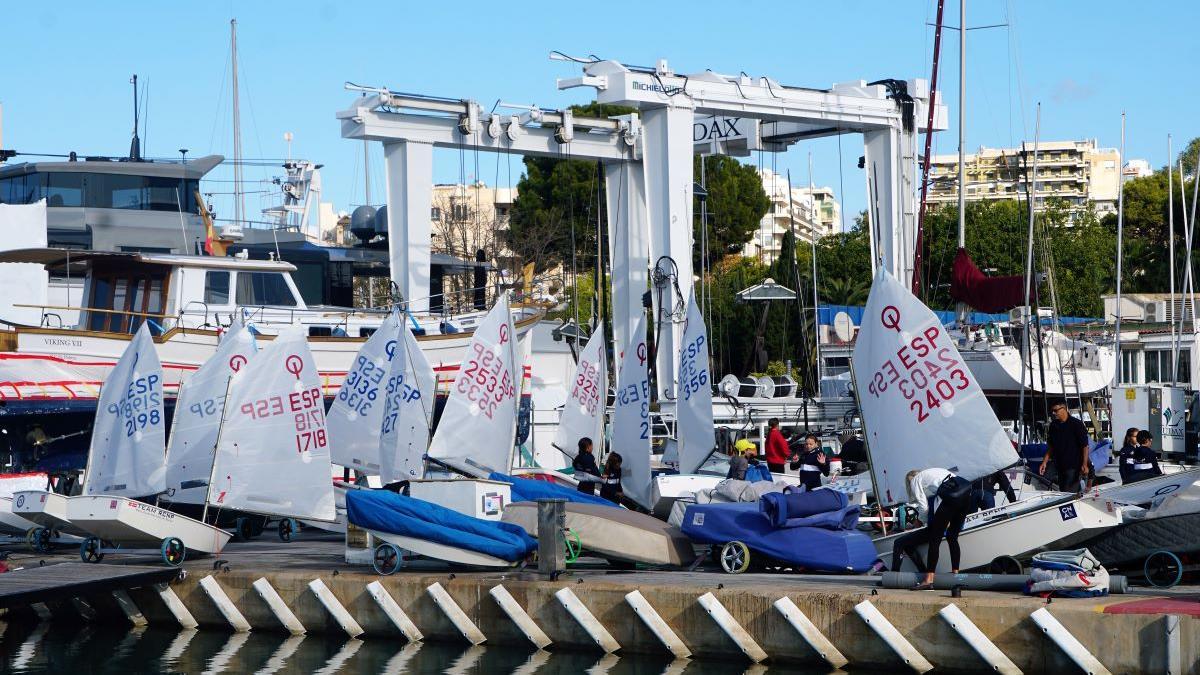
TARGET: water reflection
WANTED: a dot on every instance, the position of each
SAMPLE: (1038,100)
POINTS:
(27,647)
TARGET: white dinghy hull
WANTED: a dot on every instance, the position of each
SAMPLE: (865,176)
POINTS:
(46,509)
(133,524)
(613,533)
(1054,524)
(435,551)
(10,523)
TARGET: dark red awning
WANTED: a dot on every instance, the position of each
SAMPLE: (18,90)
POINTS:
(984,293)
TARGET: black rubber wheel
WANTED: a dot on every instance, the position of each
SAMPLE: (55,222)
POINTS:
(1163,569)
(1005,564)
(173,551)
(41,542)
(288,528)
(243,529)
(387,559)
(735,557)
(256,526)
(89,550)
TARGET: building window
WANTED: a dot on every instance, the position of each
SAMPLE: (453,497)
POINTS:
(263,288)
(1129,366)
(216,288)
(435,213)
(1156,366)
(458,212)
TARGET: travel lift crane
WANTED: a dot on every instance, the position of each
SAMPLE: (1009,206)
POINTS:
(647,159)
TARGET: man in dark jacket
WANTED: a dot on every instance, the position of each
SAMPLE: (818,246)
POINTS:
(1067,444)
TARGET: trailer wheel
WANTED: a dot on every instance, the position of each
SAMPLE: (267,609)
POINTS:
(1163,569)
(735,557)
(89,550)
(173,551)
(288,528)
(242,531)
(1005,564)
(387,559)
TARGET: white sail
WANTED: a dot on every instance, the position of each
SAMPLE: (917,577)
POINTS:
(409,394)
(631,418)
(921,405)
(197,419)
(478,424)
(583,413)
(694,412)
(357,411)
(126,455)
(273,454)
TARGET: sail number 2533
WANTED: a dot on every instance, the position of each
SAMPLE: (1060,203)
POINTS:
(925,374)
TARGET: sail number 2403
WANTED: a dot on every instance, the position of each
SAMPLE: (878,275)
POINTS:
(307,410)
(925,374)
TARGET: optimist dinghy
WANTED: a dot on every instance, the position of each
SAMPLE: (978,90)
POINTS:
(922,407)
(127,459)
(272,455)
(11,524)
(431,531)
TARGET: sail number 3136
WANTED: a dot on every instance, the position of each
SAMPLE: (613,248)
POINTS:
(924,374)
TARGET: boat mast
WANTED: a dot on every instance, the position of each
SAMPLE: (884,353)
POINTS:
(812,237)
(1120,235)
(1171,262)
(239,198)
(1026,357)
(927,159)
(962,125)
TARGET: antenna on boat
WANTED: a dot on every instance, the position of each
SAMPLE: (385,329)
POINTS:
(135,146)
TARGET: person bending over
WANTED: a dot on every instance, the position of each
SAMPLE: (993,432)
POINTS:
(948,498)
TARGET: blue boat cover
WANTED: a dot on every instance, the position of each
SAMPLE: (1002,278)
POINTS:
(531,490)
(782,507)
(387,511)
(818,549)
(759,472)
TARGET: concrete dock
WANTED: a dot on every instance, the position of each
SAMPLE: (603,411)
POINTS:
(842,622)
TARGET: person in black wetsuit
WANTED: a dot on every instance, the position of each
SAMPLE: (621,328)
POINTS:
(1145,460)
(948,498)
(1067,444)
(811,463)
(984,491)
(1125,460)
(587,472)
(610,485)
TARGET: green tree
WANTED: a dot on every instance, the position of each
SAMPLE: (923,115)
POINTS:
(1189,156)
(736,204)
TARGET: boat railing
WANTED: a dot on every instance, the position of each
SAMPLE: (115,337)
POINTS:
(51,311)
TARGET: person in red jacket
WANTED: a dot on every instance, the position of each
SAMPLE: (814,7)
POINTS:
(778,451)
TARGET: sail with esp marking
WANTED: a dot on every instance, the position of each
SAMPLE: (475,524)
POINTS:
(197,419)
(478,425)
(921,405)
(126,456)
(357,411)
(583,412)
(409,395)
(693,406)
(273,453)
(631,418)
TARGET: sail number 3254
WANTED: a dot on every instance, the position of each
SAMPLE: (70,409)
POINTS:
(925,374)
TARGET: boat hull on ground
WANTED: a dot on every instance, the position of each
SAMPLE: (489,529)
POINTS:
(46,509)
(443,552)
(1052,521)
(614,533)
(10,523)
(133,524)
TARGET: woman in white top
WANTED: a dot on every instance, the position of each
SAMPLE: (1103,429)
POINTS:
(948,498)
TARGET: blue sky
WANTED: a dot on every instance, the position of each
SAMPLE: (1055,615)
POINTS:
(65,87)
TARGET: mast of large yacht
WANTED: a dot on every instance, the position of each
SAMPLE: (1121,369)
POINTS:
(812,237)
(239,198)
(1026,357)
(1120,235)
(1171,261)
(962,123)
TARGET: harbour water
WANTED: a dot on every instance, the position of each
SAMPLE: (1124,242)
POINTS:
(58,647)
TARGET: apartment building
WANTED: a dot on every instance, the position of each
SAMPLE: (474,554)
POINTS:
(1077,172)
(810,213)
